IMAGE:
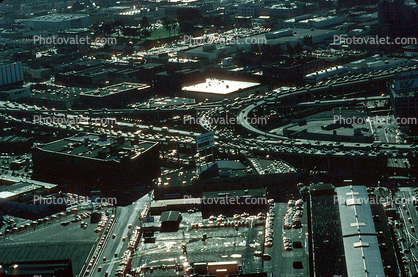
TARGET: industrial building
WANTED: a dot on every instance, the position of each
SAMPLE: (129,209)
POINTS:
(361,247)
(57,97)
(115,95)
(397,17)
(353,3)
(218,89)
(58,22)
(374,63)
(330,129)
(309,21)
(225,175)
(344,237)
(286,9)
(50,268)
(17,144)
(110,164)
(170,221)
(323,74)
(210,52)
(13,93)
(18,199)
(11,74)
(171,81)
(378,62)
(85,78)
(327,249)
(282,37)
(292,69)
(404,94)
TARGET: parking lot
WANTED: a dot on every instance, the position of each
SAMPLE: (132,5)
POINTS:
(290,250)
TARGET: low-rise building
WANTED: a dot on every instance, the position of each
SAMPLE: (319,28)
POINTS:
(292,69)
(11,73)
(23,199)
(85,78)
(59,268)
(404,94)
(58,22)
(114,96)
(309,21)
(111,164)
(57,97)
(14,92)
(217,89)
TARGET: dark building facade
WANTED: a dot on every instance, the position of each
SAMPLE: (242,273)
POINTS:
(353,3)
(167,82)
(54,268)
(114,165)
(397,19)
(114,96)
(404,95)
(326,239)
(292,69)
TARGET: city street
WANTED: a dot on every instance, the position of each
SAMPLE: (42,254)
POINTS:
(113,248)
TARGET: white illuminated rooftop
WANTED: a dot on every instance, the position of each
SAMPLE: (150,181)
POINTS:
(218,86)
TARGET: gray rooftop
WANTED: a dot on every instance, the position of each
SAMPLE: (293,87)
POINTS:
(90,146)
(359,234)
(58,17)
(114,89)
(351,203)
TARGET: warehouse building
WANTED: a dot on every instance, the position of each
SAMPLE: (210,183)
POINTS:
(226,175)
(114,165)
(51,268)
(217,89)
(86,78)
(404,94)
(114,96)
(11,74)
(326,240)
(58,22)
(361,247)
(22,199)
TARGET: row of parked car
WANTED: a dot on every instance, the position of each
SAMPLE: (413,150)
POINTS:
(293,214)
(268,237)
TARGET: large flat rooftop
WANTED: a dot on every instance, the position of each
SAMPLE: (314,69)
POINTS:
(57,93)
(22,188)
(219,86)
(361,246)
(93,146)
(57,17)
(114,89)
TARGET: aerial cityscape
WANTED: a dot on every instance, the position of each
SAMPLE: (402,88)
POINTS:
(164,138)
